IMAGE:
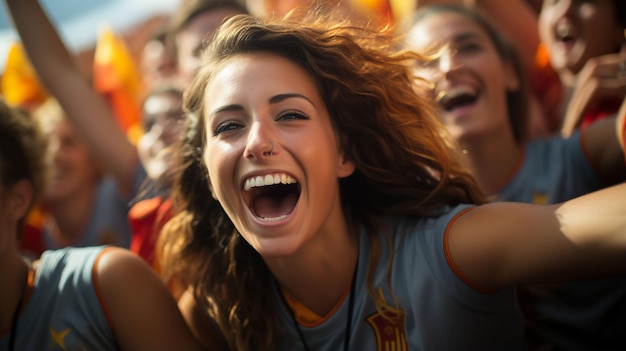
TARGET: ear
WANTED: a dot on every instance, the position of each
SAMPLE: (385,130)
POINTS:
(512,80)
(22,197)
(346,167)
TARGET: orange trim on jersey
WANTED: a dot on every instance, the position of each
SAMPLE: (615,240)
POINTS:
(453,266)
(307,318)
(96,287)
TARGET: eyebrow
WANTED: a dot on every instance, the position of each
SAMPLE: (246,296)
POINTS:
(273,100)
(467,36)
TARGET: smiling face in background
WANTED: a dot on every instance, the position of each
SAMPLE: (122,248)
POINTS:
(255,98)
(194,36)
(470,78)
(575,31)
(71,167)
(163,124)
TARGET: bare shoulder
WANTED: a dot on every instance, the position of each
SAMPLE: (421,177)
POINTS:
(143,314)
(486,244)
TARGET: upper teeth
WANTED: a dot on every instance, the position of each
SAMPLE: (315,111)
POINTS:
(454,92)
(268,179)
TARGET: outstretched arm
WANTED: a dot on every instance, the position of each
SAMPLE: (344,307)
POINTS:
(143,313)
(504,244)
(85,108)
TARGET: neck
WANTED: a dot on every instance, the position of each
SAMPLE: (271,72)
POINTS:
(318,275)
(69,217)
(13,279)
(492,161)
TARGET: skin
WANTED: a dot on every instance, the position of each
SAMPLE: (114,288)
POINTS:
(482,129)
(592,27)
(518,21)
(471,64)
(157,62)
(87,110)
(71,166)
(263,97)
(14,202)
(71,185)
(515,17)
(311,249)
(163,123)
(189,41)
(142,321)
(587,63)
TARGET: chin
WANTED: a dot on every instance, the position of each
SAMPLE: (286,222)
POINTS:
(276,248)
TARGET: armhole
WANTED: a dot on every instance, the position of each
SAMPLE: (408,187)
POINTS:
(96,287)
(453,266)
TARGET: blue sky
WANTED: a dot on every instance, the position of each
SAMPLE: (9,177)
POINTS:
(79,21)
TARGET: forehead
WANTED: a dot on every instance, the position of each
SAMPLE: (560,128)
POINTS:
(443,28)
(207,22)
(268,73)
(162,100)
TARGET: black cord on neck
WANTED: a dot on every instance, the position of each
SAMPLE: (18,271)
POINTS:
(348,333)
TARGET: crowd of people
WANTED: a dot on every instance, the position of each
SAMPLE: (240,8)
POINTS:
(309,178)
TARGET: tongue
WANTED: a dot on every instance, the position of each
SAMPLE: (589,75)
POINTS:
(273,207)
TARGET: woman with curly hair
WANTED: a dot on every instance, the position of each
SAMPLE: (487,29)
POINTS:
(319,206)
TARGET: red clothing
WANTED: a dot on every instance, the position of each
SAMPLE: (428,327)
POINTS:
(604,109)
(147,218)
(31,238)
(547,87)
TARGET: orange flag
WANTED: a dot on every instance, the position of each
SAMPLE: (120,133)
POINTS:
(20,85)
(115,75)
(378,9)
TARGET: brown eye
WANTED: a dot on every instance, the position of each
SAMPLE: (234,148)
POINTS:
(225,127)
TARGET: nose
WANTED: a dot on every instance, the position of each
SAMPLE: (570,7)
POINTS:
(444,68)
(260,143)
(449,62)
(53,151)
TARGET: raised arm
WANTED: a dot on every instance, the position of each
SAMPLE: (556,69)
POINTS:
(143,313)
(600,79)
(88,111)
(503,244)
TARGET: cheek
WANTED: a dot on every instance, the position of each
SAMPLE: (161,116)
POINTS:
(544,26)
(219,165)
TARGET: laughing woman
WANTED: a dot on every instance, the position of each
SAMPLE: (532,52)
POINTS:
(481,92)
(320,208)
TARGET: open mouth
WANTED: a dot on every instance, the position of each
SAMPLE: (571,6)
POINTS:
(271,197)
(565,34)
(456,98)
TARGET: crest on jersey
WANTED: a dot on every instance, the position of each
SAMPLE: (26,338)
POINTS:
(389,330)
